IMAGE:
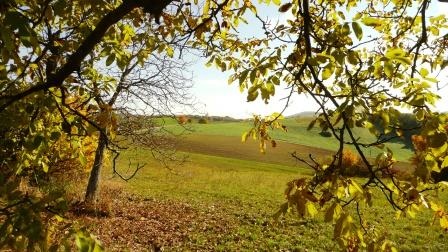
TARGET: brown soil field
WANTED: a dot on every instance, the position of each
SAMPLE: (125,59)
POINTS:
(232,147)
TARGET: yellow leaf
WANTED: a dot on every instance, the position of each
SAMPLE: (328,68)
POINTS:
(45,167)
(326,73)
(395,52)
(370,21)
(277,2)
(311,209)
(244,136)
(170,51)
(444,222)
(206,6)
(424,72)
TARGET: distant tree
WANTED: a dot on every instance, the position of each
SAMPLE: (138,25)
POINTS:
(182,119)
(202,120)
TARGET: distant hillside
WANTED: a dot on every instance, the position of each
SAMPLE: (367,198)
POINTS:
(215,118)
(303,114)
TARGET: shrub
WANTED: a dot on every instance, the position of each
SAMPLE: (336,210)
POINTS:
(419,143)
(203,121)
(182,119)
(352,165)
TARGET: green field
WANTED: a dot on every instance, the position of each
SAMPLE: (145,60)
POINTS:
(297,134)
(234,190)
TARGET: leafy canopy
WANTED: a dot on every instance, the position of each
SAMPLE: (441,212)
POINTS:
(363,63)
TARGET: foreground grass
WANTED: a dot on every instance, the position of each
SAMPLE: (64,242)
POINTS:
(246,193)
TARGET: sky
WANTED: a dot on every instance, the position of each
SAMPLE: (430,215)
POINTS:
(216,97)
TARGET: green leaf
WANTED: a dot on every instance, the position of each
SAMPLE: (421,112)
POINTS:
(445,162)
(388,69)
(394,52)
(420,115)
(328,71)
(346,29)
(311,125)
(270,88)
(110,59)
(437,140)
(82,159)
(253,75)
(37,141)
(338,56)
(353,57)
(440,151)
(243,76)
(337,233)
(424,72)
(422,172)
(370,21)
(251,96)
(275,80)
(277,2)
(403,60)
(357,29)
(333,212)
(55,135)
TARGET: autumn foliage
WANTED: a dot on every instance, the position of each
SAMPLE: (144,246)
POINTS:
(183,119)
(351,164)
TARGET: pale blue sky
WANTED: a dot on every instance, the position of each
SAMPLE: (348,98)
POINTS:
(216,97)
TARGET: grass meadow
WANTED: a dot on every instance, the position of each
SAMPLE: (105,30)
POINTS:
(243,188)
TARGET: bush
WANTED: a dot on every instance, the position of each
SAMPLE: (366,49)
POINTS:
(203,121)
(352,165)
(183,119)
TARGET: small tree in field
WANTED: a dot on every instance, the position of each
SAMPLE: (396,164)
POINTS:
(182,119)
(143,89)
(202,120)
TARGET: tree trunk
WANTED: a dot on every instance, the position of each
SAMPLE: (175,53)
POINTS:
(94,178)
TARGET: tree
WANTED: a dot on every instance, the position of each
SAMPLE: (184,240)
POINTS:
(143,90)
(360,62)
(49,49)
(363,63)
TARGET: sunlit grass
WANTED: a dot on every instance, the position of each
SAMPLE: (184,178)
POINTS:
(249,192)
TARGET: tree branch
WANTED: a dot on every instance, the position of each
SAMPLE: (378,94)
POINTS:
(74,61)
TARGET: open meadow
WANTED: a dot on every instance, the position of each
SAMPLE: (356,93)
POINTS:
(224,196)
